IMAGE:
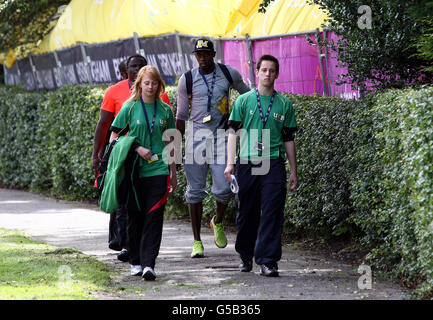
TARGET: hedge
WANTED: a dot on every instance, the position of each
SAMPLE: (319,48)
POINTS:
(365,167)
(394,199)
(46,140)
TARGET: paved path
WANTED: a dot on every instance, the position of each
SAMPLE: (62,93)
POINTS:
(303,275)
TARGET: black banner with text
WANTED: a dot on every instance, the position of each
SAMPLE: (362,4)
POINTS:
(99,63)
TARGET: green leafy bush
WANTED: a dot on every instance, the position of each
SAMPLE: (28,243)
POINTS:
(18,122)
(365,167)
(394,200)
(47,140)
(321,204)
(73,114)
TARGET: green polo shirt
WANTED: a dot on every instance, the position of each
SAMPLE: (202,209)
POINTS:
(282,114)
(133,112)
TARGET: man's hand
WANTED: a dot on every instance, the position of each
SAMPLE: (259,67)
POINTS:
(230,169)
(180,125)
(173,183)
(95,163)
(293,181)
(104,122)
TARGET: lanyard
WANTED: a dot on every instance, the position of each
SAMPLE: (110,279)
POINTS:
(130,87)
(149,128)
(259,106)
(209,90)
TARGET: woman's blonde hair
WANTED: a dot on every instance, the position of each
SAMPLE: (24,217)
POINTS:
(153,73)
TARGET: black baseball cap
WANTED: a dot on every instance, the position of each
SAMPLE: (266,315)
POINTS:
(204,45)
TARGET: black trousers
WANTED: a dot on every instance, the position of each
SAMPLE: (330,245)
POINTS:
(145,225)
(261,212)
(118,225)
(117,229)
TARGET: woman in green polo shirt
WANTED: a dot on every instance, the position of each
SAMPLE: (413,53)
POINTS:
(147,118)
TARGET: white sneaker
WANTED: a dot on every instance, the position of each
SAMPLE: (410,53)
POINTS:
(148,274)
(136,270)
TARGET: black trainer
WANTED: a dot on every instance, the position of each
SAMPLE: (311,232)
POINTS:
(148,274)
(123,255)
(246,266)
(268,271)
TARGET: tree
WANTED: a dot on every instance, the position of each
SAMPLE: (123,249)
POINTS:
(376,41)
(383,43)
(424,42)
(23,23)
(425,47)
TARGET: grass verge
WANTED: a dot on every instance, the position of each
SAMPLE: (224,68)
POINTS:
(31,270)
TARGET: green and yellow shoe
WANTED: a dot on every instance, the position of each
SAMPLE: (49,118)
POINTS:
(197,250)
(218,231)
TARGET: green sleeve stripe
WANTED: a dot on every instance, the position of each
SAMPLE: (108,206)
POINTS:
(246,97)
(284,100)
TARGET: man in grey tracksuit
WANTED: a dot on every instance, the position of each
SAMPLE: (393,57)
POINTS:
(207,111)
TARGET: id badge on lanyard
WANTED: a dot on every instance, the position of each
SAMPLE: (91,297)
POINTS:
(259,146)
(153,159)
(150,128)
(208,116)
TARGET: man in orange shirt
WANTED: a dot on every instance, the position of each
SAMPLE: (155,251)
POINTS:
(113,100)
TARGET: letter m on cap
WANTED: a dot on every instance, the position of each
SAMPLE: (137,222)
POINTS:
(202,43)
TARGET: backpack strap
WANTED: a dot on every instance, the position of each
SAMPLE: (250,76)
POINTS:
(188,79)
(226,73)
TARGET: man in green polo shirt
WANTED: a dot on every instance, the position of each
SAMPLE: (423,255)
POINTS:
(265,121)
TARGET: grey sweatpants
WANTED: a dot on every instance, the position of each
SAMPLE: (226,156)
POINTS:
(196,175)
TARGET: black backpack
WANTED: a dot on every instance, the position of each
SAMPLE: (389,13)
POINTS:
(188,79)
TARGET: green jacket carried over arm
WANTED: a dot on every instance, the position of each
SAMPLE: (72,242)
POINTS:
(116,173)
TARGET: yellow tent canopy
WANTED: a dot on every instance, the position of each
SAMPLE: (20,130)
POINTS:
(97,21)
